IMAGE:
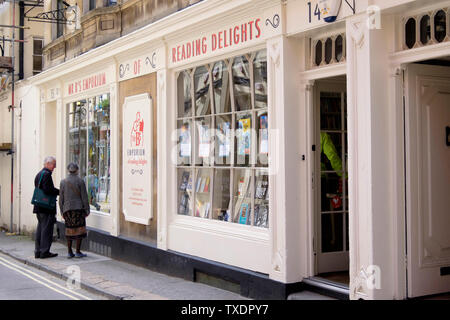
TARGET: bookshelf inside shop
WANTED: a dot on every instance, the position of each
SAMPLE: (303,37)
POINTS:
(222,123)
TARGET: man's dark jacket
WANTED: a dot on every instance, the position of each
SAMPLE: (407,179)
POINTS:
(48,187)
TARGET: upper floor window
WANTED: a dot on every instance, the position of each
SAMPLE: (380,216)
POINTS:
(426,29)
(37,55)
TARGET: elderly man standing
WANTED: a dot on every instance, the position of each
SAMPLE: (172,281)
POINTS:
(46,217)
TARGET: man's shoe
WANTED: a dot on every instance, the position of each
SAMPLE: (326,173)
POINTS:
(70,255)
(37,255)
(80,255)
(48,255)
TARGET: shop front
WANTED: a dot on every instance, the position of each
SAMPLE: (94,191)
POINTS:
(266,144)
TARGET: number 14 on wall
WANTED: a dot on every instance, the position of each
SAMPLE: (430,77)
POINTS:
(318,9)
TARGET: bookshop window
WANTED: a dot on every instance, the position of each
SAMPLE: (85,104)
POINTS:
(222,148)
(89,146)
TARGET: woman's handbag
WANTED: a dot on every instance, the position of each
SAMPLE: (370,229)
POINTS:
(41,199)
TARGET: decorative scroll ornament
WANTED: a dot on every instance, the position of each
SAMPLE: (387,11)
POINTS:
(275,22)
(329,9)
(123,69)
(151,62)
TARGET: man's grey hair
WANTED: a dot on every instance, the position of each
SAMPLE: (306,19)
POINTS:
(49,159)
(72,167)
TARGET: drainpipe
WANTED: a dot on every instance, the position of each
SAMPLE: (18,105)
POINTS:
(12,118)
(21,37)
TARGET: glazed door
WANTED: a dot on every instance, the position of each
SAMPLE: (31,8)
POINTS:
(331,178)
(427,140)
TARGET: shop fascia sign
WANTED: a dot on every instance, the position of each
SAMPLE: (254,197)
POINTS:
(141,65)
(232,37)
(93,81)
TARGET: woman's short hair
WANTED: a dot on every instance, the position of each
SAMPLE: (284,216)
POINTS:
(72,167)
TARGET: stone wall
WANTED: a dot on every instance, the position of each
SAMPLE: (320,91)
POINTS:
(107,23)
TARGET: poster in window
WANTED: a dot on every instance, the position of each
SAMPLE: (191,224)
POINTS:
(244,138)
(264,135)
(224,134)
(204,143)
(185,141)
(137,159)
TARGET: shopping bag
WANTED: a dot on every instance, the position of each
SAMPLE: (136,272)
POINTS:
(41,199)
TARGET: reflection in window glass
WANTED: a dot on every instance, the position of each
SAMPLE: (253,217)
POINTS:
(222,149)
(232,134)
(242,196)
(410,32)
(184,142)
(328,50)
(98,179)
(77,135)
(318,58)
(202,193)
(260,76)
(243,139)
(425,29)
(339,43)
(241,81)
(222,203)
(89,146)
(202,96)
(440,26)
(203,146)
(184,95)
(261,216)
(185,192)
(221,88)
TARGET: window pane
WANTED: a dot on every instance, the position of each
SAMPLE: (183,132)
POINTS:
(330,111)
(331,152)
(261,217)
(184,146)
(77,135)
(202,96)
(331,199)
(339,44)
(184,95)
(241,81)
(410,32)
(202,193)
(328,50)
(185,192)
(440,26)
(260,77)
(425,29)
(243,139)
(222,203)
(37,46)
(221,80)
(37,63)
(242,196)
(263,138)
(203,138)
(318,57)
(222,149)
(332,232)
(98,180)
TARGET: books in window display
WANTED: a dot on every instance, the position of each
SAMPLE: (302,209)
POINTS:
(184,204)
(185,181)
(261,215)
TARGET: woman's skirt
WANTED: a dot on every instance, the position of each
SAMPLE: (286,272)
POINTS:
(75,223)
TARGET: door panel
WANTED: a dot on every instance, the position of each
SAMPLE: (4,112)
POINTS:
(428,179)
(331,167)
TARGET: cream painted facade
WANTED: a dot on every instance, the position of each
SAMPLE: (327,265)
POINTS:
(373,68)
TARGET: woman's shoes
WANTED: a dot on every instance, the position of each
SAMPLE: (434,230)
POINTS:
(70,255)
(80,255)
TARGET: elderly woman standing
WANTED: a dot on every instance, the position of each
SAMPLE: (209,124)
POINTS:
(74,205)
